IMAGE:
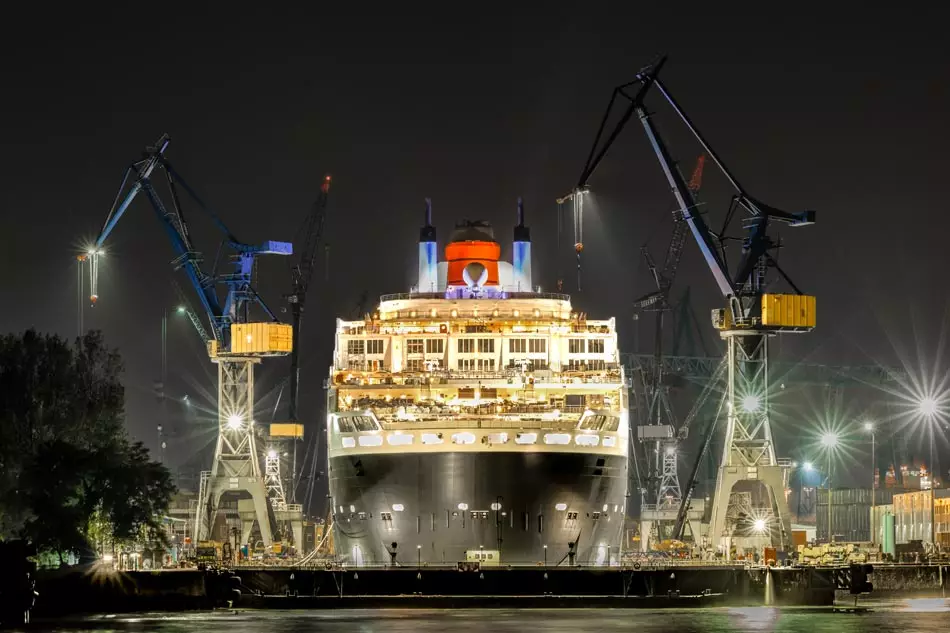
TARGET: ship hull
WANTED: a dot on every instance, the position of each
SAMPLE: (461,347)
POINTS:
(526,508)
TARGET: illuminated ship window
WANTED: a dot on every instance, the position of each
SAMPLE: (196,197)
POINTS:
(432,438)
(587,440)
(593,422)
(386,516)
(595,515)
(398,507)
(526,438)
(497,438)
(605,507)
(463,438)
(479,514)
(355,423)
(352,508)
(560,507)
(399,439)
(370,440)
(349,442)
(463,506)
(496,506)
(571,516)
(362,516)
(557,438)
(610,441)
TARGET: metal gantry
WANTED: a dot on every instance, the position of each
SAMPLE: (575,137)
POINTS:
(743,322)
(236,467)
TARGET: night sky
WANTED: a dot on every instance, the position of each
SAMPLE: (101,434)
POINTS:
(844,114)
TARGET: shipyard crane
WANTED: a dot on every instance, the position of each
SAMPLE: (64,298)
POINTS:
(235,341)
(301,273)
(662,476)
(750,314)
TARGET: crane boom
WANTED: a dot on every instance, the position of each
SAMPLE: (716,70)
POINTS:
(301,274)
(240,292)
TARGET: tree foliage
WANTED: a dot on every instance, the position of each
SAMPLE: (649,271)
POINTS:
(66,461)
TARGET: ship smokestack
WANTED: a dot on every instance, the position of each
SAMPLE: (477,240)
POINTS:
(428,258)
(521,255)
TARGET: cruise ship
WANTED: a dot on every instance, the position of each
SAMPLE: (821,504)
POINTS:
(476,418)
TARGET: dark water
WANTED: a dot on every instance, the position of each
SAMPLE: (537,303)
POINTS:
(905,616)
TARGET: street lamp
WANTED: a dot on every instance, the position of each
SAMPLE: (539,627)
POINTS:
(808,466)
(869,428)
(928,408)
(829,441)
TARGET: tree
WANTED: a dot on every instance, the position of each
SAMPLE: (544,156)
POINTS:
(65,458)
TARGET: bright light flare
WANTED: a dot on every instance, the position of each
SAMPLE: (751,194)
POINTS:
(829,439)
(928,407)
(234,422)
(759,525)
(272,454)
(868,426)
(808,466)
(751,403)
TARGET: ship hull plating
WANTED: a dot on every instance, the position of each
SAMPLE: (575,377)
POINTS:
(528,507)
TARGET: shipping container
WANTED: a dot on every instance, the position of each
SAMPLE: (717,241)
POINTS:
(913,517)
(850,512)
(286,430)
(799,537)
(942,518)
(261,338)
(789,311)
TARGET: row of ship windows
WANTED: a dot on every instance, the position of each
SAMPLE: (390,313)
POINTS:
(475,364)
(569,521)
(464,437)
(470,345)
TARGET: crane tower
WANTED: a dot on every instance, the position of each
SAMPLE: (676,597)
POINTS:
(749,317)
(237,342)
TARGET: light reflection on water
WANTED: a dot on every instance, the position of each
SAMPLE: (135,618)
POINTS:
(901,616)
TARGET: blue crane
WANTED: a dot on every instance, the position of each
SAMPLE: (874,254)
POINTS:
(240,293)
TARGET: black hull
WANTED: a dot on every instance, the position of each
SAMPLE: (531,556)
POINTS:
(512,504)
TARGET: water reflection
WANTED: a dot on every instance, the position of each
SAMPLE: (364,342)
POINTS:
(754,618)
(920,616)
(927,605)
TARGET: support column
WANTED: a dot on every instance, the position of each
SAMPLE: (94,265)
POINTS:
(748,451)
(236,467)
